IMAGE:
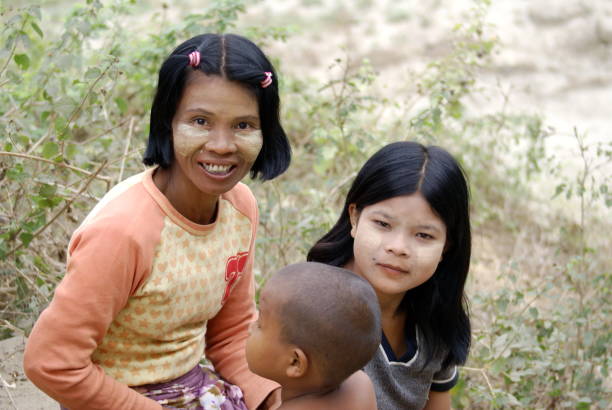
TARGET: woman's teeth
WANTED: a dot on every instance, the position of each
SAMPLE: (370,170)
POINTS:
(217,169)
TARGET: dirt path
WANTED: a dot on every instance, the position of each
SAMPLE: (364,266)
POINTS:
(16,391)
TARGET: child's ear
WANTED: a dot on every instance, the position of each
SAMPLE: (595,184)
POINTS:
(298,365)
(354,217)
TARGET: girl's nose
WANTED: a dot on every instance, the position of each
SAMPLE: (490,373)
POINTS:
(221,142)
(397,245)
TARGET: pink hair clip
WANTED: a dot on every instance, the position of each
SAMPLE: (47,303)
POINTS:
(267,81)
(194,58)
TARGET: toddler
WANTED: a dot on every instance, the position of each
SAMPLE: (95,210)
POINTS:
(318,326)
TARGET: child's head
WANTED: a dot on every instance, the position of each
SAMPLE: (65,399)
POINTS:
(414,200)
(317,325)
(237,60)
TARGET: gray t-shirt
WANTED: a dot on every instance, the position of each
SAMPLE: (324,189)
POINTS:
(403,383)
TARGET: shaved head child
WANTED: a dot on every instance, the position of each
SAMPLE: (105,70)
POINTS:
(318,326)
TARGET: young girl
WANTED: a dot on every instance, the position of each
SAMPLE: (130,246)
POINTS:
(160,272)
(405,228)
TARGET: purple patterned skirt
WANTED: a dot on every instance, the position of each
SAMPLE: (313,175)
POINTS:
(199,389)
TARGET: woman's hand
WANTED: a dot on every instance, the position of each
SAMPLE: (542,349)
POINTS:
(273,401)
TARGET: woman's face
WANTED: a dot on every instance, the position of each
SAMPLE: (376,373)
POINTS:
(398,243)
(216,133)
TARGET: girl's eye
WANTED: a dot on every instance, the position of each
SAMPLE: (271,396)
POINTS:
(201,121)
(243,125)
(382,224)
(424,235)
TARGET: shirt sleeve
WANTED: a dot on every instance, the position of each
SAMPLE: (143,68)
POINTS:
(445,379)
(105,267)
(228,331)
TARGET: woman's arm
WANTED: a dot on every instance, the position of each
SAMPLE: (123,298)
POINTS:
(101,274)
(438,401)
(227,332)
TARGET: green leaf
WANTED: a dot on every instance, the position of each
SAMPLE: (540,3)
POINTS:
(121,104)
(37,29)
(47,190)
(92,73)
(22,60)
(71,150)
(26,238)
(50,149)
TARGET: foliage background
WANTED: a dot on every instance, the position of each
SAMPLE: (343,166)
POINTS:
(76,84)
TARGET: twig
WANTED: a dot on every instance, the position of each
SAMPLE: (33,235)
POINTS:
(484,374)
(333,191)
(37,143)
(77,109)
(95,137)
(125,151)
(11,326)
(33,285)
(61,211)
(59,164)
(8,392)
(10,56)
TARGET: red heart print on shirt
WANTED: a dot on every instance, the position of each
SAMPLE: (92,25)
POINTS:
(233,271)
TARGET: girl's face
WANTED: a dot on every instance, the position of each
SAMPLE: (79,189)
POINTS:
(215,133)
(398,243)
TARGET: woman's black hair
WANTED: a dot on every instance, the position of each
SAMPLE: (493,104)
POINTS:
(438,306)
(237,59)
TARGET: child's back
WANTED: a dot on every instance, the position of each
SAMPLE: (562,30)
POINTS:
(355,393)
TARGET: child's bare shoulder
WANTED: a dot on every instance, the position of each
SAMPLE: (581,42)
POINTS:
(358,392)
(355,393)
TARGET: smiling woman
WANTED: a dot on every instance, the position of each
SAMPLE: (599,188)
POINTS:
(160,271)
(216,139)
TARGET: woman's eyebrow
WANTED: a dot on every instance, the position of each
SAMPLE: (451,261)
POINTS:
(198,110)
(248,118)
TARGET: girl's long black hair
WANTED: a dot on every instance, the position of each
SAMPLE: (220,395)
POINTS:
(438,306)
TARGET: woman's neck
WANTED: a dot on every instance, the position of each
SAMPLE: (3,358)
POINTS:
(186,199)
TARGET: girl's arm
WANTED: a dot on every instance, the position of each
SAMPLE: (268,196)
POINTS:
(103,270)
(438,401)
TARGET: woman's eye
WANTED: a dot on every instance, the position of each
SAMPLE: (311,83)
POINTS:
(243,125)
(200,121)
(424,235)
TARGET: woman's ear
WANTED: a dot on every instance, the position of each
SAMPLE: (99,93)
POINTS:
(299,364)
(354,218)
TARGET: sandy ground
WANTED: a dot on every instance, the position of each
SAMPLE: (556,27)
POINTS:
(554,60)
(16,392)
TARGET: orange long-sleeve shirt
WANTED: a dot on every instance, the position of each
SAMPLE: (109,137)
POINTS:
(146,292)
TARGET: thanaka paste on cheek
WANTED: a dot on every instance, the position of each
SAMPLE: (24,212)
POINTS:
(250,143)
(189,139)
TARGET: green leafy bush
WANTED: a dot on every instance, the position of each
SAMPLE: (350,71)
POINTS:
(74,105)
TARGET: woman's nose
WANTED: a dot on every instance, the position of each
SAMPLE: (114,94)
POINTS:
(221,142)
